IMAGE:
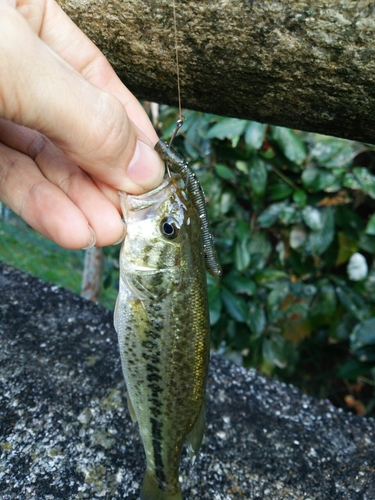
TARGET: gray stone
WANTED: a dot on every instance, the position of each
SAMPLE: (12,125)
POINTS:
(65,432)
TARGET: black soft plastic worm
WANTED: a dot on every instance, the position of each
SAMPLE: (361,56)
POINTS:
(179,165)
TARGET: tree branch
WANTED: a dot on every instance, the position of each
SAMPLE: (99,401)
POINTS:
(303,64)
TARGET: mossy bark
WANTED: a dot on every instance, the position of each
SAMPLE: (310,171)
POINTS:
(302,64)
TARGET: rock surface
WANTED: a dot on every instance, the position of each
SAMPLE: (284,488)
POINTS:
(65,431)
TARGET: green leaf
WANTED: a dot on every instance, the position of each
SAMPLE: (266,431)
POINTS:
(254,134)
(313,218)
(275,352)
(326,301)
(196,128)
(360,178)
(258,262)
(363,334)
(317,179)
(226,202)
(289,215)
(256,319)
(290,143)
(370,228)
(258,176)
(366,354)
(347,247)
(235,305)
(353,303)
(270,215)
(310,178)
(215,303)
(322,238)
(269,275)
(279,191)
(280,290)
(300,197)
(224,172)
(331,152)
(297,236)
(341,331)
(242,230)
(227,128)
(259,244)
(239,284)
(350,221)
(242,166)
(367,243)
(241,255)
(107,281)
(352,369)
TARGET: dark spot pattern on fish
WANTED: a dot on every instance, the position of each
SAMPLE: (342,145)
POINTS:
(155,401)
(152,367)
(147,252)
(153,377)
(155,411)
(149,344)
(149,356)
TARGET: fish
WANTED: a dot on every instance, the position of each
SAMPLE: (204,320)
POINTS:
(162,321)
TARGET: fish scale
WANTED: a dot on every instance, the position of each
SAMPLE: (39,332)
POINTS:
(162,322)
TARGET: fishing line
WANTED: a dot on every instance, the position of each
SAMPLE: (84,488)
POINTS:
(180,120)
(177,64)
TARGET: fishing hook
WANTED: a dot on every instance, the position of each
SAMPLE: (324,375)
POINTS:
(179,124)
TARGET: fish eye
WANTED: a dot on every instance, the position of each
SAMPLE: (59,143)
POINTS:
(169,228)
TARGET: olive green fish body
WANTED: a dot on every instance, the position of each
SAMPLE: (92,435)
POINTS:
(162,323)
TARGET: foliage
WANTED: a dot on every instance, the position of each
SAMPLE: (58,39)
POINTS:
(293,217)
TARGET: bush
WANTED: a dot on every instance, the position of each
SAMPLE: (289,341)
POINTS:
(294,224)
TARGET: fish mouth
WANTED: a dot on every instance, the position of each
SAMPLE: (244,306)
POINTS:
(135,203)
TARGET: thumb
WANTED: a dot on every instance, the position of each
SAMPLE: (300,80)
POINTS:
(40,90)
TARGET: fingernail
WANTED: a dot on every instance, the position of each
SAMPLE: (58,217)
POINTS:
(146,168)
(92,240)
(123,235)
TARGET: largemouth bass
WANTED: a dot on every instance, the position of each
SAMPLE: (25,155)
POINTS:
(162,322)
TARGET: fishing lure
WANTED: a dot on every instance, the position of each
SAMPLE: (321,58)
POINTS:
(179,165)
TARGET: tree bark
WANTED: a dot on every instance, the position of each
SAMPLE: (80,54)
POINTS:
(306,64)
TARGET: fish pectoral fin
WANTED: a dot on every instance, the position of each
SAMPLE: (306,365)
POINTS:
(194,438)
(116,313)
(130,408)
(152,284)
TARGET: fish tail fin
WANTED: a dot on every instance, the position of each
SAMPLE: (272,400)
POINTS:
(151,490)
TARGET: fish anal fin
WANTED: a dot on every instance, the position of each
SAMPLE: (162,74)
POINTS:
(194,438)
(151,489)
(131,409)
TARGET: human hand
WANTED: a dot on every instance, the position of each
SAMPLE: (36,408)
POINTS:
(71,134)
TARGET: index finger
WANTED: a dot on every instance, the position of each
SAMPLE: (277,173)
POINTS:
(60,33)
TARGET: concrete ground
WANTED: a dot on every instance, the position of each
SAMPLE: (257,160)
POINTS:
(65,431)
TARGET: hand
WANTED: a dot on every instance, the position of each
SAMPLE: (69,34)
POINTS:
(71,134)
